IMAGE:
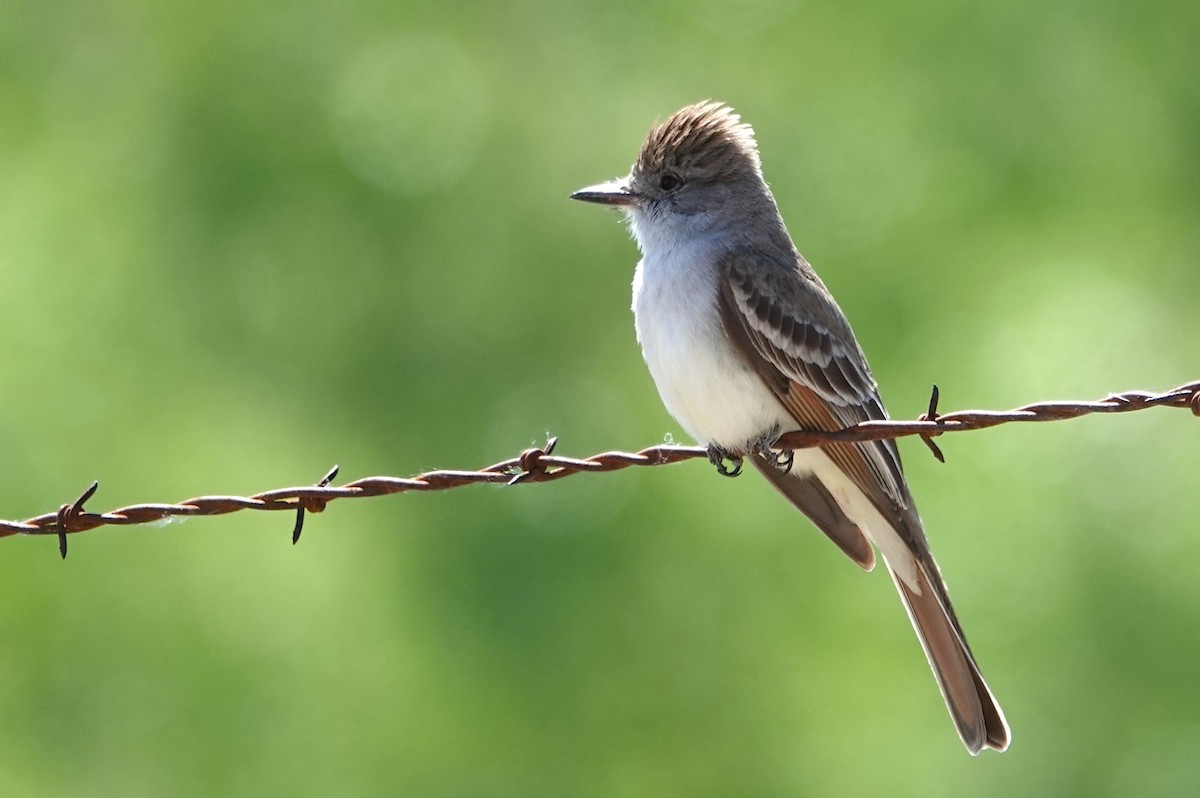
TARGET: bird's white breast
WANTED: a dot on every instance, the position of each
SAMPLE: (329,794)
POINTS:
(702,379)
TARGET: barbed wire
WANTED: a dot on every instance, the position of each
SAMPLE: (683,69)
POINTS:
(542,465)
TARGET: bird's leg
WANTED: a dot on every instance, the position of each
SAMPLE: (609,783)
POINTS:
(717,456)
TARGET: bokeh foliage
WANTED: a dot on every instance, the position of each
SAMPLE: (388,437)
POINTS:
(242,241)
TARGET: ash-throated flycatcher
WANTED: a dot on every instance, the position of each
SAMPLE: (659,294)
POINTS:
(745,342)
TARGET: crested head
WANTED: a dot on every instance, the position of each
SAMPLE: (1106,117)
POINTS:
(697,173)
(705,141)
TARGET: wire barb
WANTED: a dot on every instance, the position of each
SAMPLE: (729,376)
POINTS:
(531,464)
(542,465)
(313,504)
(67,518)
(932,415)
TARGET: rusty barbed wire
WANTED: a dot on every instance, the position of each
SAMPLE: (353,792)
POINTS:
(542,465)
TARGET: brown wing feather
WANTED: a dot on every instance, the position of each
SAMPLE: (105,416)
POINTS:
(816,369)
(821,376)
(814,366)
(813,499)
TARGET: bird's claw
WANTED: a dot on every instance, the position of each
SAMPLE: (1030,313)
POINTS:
(717,456)
(782,460)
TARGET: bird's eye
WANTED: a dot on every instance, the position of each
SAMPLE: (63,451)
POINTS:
(670,182)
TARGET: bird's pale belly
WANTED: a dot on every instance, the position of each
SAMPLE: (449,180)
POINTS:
(702,380)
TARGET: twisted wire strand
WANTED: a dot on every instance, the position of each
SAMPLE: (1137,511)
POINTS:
(542,465)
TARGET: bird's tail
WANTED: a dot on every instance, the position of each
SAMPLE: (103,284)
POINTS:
(972,706)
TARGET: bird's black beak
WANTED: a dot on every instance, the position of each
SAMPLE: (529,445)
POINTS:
(615,192)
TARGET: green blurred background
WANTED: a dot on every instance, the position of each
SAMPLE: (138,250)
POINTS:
(240,242)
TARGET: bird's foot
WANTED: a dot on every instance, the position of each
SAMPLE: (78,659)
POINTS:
(782,460)
(717,456)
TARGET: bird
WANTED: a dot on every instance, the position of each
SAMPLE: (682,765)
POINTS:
(744,343)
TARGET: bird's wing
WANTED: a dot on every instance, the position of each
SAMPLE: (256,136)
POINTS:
(787,325)
(790,329)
